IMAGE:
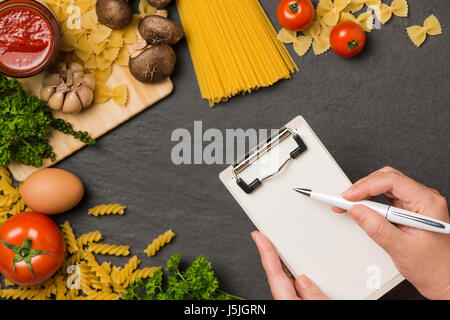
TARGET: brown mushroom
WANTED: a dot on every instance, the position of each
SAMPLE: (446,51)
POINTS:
(115,14)
(156,30)
(153,64)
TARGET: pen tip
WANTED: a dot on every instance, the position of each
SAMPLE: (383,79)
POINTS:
(306,192)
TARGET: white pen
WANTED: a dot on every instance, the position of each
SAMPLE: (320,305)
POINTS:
(393,214)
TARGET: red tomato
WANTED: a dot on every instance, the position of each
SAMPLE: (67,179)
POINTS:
(31,248)
(347,39)
(295,15)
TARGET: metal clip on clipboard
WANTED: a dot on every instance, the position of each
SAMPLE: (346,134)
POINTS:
(255,154)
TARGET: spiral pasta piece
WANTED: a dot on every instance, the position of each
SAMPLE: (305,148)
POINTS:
(85,278)
(45,293)
(128,269)
(69,237)
(103,209)
(97,269)
(144,273)
(17,208)
(159,242)
(61,287)
(88,238)
(110,249)
(21,294)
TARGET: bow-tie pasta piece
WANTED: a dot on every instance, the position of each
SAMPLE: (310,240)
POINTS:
(286,36)
(418,34)
(365,20)
(319,31)
(123,57)
(83,49)
(357,5)
(397,7)
(103,75)
(103,93)
(120,95)
(330,11)
(145,9)
(130,32)
(301,43)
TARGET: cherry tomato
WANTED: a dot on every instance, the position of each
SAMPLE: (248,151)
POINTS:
(31,248)
(347,39)
(295,15)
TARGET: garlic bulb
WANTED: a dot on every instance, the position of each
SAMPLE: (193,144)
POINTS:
(67,88)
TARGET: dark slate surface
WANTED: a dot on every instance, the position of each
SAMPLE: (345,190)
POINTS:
(389,106)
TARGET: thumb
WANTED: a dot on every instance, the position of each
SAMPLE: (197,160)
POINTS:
(384,233)
(307,290)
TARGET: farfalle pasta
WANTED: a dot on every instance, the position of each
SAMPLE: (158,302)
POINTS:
(397,7)
(330,11)
(320,33)
(418,34)
(103,93)
(103,75)
(98,31)
(365,20)
(357,5)
(87,41)
(301,43)
(145,9)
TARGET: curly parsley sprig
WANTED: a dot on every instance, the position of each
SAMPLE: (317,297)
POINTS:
(197,282)
(25,123)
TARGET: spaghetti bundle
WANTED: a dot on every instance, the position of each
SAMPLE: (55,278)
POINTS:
(233,46)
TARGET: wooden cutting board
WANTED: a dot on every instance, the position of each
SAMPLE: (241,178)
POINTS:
(98,119)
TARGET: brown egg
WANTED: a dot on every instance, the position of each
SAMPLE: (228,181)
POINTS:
(52,191)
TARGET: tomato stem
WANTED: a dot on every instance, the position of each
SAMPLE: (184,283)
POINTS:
(294,6)
(23,253)
(352,45)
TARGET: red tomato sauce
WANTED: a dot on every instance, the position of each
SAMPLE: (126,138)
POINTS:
(25,39)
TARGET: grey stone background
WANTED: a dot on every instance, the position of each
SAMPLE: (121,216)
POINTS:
(388,106)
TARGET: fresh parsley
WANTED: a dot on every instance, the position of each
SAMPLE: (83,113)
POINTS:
(25,123)
(197,282)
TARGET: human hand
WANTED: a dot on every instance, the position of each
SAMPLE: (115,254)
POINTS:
(281,281)
(422,257)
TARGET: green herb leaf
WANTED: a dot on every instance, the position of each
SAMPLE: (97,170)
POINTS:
(197,282)
(25,123)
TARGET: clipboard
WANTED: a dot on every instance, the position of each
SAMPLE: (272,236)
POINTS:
(309,238)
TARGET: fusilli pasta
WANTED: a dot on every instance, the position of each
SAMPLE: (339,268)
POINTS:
(111,249)
(80,276)
(89,238)
(159,242)
(103,209)
(69,237)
